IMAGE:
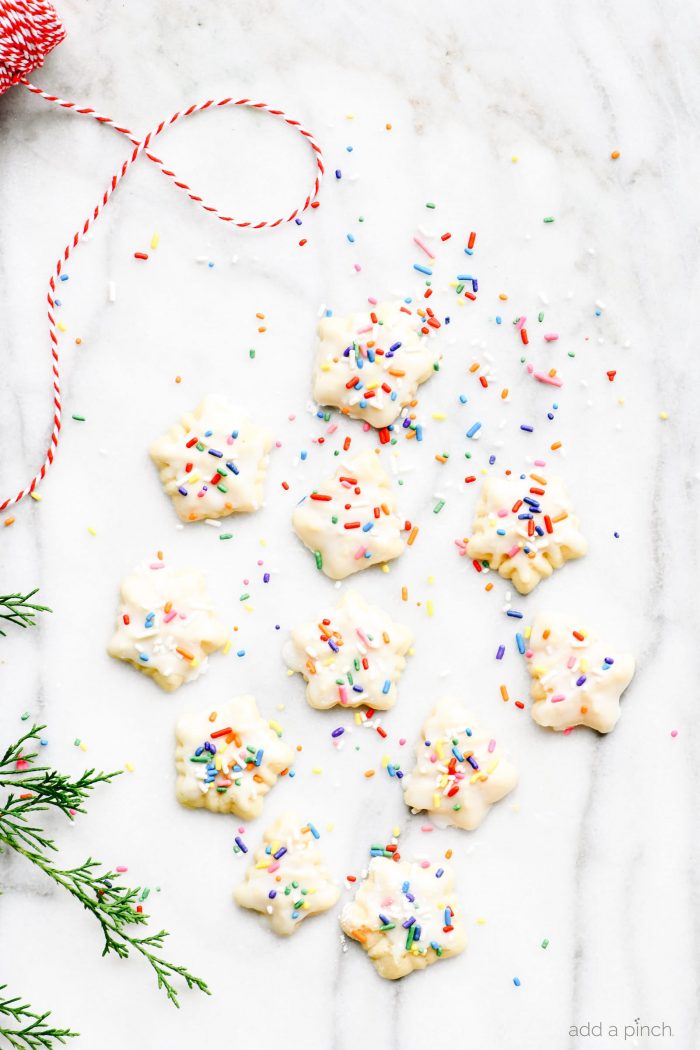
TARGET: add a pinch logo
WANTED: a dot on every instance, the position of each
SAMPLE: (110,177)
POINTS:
(631,1032)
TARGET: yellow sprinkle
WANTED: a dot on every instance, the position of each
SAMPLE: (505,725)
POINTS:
(280,707)
(263,864)
(316,769)
(249,608)
(481,921)
(514,159)
(155,241)
(385,761)
(93,532)
(330,826)
(129,767)
(61,327)
(431,579)
(358,718)
(385,567)
(429,607)
(227,646)
(663,415)
(396,831)
(527,632)
(263,543)
(83,747)
(275,727)
(36,496)
(439,416)
(437,800)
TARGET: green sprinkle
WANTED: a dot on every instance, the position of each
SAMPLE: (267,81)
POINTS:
(244,597)
(430,205)
(25,716)
(387,926)
(549,218)
(319,559)
(540,317)
(411,934)
(226,536)
(221,487)
(438,506)
(545,943)
(251,353)
(459,289)
(79,419)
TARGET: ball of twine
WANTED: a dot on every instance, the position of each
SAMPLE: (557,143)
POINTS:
(29,31)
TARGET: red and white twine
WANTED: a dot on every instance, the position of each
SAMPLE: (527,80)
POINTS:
(29,30)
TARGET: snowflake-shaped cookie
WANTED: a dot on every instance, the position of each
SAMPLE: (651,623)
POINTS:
(576,679)
(289,881)
(460,770)
(350,655)
(350,522)
(405,915)
(525,528)
(166,624)
(370,365)
(214,462)
(228,759)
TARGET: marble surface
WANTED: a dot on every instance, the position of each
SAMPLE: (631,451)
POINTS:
(597,849)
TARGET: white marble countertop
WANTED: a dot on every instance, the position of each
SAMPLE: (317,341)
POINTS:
(597,848)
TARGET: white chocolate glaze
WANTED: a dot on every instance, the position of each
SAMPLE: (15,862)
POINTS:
(577,680)
(213,463)
(394,893)
(351,520)
(525,542)
(460,769)
(350,655)
(370,364)
(288,881)
(166,624)
(229,757)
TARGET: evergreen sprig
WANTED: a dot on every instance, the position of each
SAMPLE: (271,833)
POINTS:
(18,609)
(35,788)
(23,1029)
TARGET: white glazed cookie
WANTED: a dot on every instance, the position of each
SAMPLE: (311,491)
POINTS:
(166,624)
(460,770)
(576,679)
(350,655)
(350,522)
(213,463)
(288,881)
(370,365)
(525,528)
(405,915)
(228,759)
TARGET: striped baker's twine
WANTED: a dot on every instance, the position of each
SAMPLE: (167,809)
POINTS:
(143,146)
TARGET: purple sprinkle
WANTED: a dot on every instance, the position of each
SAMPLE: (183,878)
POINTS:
(472,762)
(501,652)
(439,873)
(408,923)
(338,732)
(266,577)
(182,491)
(272,894)
(280,853)
(581,680)
(394,347)
(241,844)
(526,427)
(215,452)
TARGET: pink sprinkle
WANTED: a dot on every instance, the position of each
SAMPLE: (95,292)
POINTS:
(157,565)
(229,440)
(530,368)
(372,300)
(426,827)
(342,691)
(246,582)
(425,864)
(674,732)
(332,428)
(260,561)
(424,247)
(121,868)
(529,654)
(357,267)
(273,867)
(503,513)
(540,462)
(519,323)
(568,731)
(402,741)
(291,418)
(558,697)
(542,377)
(362,636)
(360,553)
(551,337)
(365,426)
(367,328)
(241,831)
(513,551)
(169,616)
(570,662)
(278,444)
(492,744)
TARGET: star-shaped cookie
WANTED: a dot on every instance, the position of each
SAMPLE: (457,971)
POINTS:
(577,680)
(288,881)
(227,759)
(460,769)
(213,463)
(166,624)
(405,916)
(370,364)
(350,521)
(350,655)
(525,528)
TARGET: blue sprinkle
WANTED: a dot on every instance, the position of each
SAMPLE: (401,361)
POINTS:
(65,277)
(338,173)
(520,643)
(316,834)
(423,269)
(463,398)
(526,427)
(473,429)
(233,468)
(516,615)
(386,687)
(516,982)
(215,452)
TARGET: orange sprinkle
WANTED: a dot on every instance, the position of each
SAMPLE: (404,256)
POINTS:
(475,367)
(561,517)
(262,328)
(397,372)
(8,521)
(369,773)
(546,634)
(504,692)
(184,653)
(615,154)
(412,536)
(260,317)
(404,594)
(441,459)
(503,297)
(504,393)
(212,716)
(539,479)
(555,446)
(577,634)
(488,587)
